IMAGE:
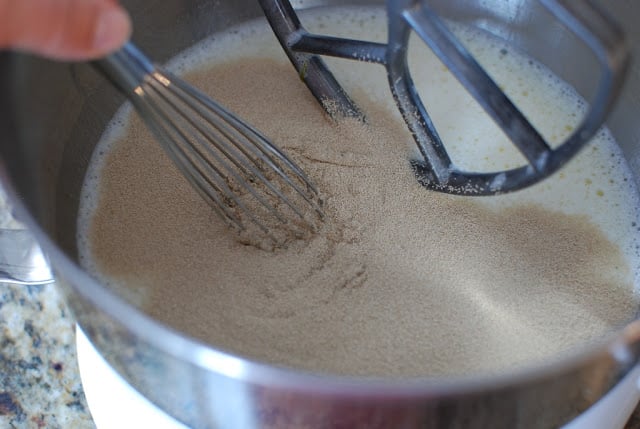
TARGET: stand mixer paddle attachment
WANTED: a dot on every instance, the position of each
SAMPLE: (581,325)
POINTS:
(435,168)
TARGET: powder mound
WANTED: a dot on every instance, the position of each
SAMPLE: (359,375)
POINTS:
(398,281)
(276,210)
(275,227)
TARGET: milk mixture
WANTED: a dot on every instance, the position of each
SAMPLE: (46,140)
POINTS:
(400,281)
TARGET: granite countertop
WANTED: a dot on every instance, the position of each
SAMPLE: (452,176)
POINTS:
(40,383)
(39,380)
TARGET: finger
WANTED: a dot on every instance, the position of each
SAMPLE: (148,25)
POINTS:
(63,29)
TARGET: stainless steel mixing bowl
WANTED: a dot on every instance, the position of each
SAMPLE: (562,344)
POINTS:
(51,117)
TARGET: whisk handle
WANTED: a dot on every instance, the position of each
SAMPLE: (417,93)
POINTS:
(126,68)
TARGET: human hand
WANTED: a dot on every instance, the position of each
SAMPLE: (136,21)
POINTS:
(63,29)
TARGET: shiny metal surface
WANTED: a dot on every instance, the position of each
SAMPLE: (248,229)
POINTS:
(21,259)
(435,169)
(221,156)
(50,123)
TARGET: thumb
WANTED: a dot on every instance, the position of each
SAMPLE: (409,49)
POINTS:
(63,29)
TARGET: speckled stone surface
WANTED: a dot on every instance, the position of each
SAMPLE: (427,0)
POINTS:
(39,381)
(40,384)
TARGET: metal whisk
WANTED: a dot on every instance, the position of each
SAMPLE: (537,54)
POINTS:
(435,169)
(252,184)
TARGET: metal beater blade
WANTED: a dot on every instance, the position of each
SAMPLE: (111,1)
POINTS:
(435,169)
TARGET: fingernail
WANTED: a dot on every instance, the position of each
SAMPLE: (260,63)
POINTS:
(113,28)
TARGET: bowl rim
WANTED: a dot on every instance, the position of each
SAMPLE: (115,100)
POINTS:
(207,357)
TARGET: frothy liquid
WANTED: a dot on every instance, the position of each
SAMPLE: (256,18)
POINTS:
(400,281)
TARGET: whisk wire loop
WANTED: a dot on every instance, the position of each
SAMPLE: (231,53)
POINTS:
(260,149)
(247,149)
(244,177)
(205,159)
(210,184)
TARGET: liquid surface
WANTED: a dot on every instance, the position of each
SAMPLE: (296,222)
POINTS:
(400,281)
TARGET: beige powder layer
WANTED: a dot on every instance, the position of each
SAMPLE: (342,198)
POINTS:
(400,281)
